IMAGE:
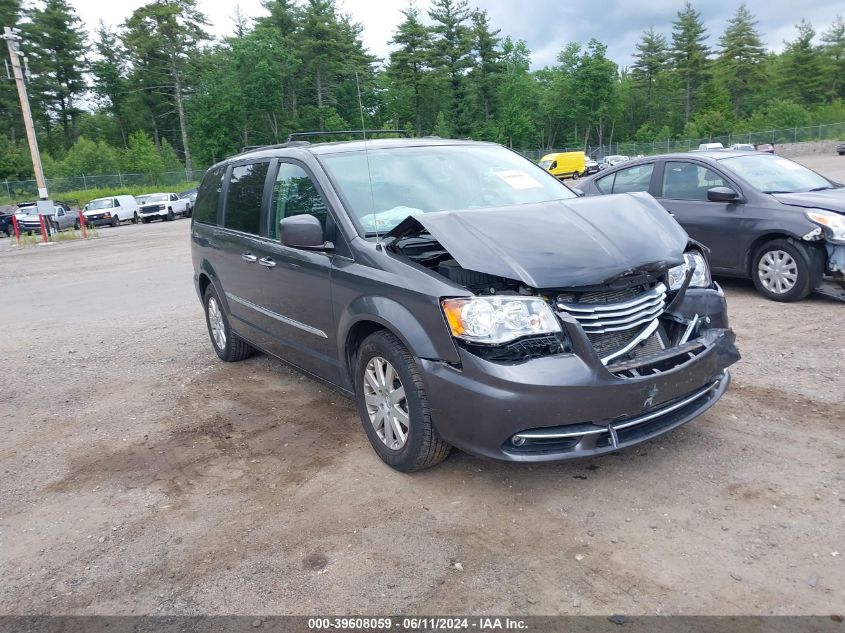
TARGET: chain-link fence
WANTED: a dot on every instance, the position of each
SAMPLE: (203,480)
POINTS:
(27,189)
(806,134)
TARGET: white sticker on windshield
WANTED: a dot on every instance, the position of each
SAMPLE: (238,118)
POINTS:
(518,179)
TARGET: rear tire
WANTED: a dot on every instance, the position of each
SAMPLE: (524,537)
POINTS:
(398,400)
(228,345)
(135,218)
(781,271)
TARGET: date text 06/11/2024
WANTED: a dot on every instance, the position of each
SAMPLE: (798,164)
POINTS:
(416,624)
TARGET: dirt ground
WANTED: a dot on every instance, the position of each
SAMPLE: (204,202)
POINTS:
(140,475)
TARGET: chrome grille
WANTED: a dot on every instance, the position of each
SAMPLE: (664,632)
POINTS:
(615,327)
(599,318)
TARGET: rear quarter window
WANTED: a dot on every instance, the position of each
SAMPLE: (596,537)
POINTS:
(208,195)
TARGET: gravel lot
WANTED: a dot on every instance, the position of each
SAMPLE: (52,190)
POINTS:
(140,475)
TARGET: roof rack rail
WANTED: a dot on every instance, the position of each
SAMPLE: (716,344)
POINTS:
(252,148)
(296,135)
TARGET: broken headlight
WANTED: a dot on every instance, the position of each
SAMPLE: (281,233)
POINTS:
(833,224)
(700,276)
(496,320)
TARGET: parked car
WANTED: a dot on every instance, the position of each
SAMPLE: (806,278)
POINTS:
(29,221)
(766,148)
(190,195)
(840,149)
(590,167)
(111,211)
(462,295)
(704,147)
(163,206)
(743,147)
(6,223)
(762,216)
(565,164)
(613,159)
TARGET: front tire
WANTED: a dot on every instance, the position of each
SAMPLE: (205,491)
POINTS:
(170,217)
(393,407)
(145,220)
(115,221)
(228,345)
(781,271)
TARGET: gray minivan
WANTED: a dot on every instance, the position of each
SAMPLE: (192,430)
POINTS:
(462,295)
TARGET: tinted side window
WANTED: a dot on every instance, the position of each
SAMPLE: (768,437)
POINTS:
(688,181)
(243,198)
(605,184)
(294,193)
(633,179)
(205,208)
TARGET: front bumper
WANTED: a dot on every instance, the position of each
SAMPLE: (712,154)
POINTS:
(97,220)
(481,407)
(153,215)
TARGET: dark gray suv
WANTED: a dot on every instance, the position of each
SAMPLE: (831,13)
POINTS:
(462,295)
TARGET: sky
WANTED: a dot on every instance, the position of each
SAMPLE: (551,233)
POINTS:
(546,25)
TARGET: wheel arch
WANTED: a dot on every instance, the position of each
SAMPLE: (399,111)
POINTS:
(813,252)
(371,314)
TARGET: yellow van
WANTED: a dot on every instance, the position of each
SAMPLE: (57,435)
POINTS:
(565,164)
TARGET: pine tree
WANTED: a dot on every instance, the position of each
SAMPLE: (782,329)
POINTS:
(651,62)
(802,79)
(450,53)
(54,40)
(833,52)
(409,63)
(10,115)
(487,64)
(741,58)
(109,71)
(689,54)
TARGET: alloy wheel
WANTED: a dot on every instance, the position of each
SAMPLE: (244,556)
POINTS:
(778,271)
(215,322)
(387,406)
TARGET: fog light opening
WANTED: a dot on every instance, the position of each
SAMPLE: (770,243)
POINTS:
(517,441)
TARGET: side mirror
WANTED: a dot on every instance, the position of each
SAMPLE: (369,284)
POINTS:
(303,231)
(722,194)
(578,192)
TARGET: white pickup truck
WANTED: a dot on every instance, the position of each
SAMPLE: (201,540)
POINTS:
(162,206)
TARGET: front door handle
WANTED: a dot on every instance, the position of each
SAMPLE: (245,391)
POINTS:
(249,257)
(266,261)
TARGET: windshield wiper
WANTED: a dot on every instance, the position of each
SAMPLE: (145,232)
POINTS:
(774,191)
(822,188)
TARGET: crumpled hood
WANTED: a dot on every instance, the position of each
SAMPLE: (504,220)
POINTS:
(565,243)
(829,199)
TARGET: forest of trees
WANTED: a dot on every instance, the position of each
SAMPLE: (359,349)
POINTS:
(157,93)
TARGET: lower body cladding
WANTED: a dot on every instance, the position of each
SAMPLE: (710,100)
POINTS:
(571,405)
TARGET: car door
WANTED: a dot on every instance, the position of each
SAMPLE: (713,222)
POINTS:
(177,205)
(296,283)
(237,242)
(683,192)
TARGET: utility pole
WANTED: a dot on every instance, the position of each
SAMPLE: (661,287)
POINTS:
(13,39)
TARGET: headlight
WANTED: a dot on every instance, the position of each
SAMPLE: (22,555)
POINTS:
(833,223)
(701,276)
(501,319)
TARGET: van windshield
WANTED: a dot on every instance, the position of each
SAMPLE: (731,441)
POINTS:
(403,181)
(103,203)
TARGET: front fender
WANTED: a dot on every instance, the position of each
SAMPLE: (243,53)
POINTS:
(424,333)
